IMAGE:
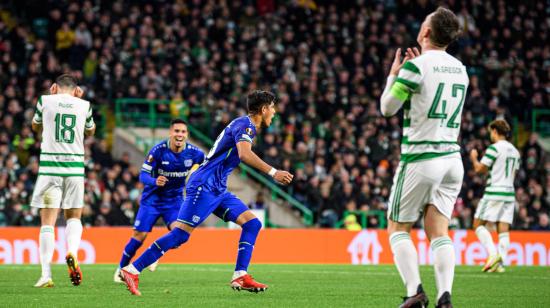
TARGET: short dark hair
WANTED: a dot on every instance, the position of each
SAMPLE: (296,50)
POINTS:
(257,99)
(66,81)
(445,27)
(502,127)
(177,121)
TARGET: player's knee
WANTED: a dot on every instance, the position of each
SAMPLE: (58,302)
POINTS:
(253,225)
(180,237)
(140,236)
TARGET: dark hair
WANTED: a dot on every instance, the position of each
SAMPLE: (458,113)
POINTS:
(502,127)
(445,27)
(66,81)
(257,99)
(177,121)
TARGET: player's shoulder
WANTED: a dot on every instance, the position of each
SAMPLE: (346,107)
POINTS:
(49,99)
(159,147)
(510,148)
(438,58)
(192,147)
(245,123)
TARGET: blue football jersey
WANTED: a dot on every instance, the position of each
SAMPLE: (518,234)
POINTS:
(161,160)
(223,157)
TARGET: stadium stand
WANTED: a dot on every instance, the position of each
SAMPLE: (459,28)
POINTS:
(326,65)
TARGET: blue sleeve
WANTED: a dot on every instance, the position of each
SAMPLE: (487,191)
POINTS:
(148,167)
(199,157)
(146,178)
(245,132)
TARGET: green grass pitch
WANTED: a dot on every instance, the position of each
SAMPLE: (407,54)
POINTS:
(316,286)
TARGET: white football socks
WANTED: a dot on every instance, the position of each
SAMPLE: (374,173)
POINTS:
(47,246)
(406,260)
(73,232)
(503,244)
(444,264)
(486,240)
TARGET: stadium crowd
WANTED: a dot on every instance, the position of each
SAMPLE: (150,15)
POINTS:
(326,62)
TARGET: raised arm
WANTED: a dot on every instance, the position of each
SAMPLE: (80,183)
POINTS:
(399,89)
(478,166)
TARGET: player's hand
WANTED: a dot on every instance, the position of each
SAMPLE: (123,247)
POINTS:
(398,63)
(161,181)
(53,89)
(78,92)
(473,155)
(283,177)
(412,53)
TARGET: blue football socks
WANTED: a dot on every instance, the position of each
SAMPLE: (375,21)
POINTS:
(246,243)
(129,252)
(172,239)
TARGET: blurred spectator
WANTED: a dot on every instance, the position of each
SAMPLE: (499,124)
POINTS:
(258,203)
(350,223)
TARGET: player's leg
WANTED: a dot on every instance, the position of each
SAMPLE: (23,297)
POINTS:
(233,209)
(146,218)
(47,197)
(73,201)
(436,226)
(173,239)
(410,191)
(503,228)
(170,217)
(436,223)
(47,246)
(198,205)
(486,212)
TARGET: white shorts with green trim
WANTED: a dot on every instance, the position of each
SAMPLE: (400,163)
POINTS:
(58,191)
(435,181)
(495,211)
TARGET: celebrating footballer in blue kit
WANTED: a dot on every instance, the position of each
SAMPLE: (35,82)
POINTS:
(207,193)
(163,173)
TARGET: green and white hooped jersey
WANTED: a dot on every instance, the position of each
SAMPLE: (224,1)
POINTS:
(64,119)
(503,161)
(433,88)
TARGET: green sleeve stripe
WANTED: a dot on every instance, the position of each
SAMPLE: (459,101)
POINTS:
(38,112)
(409,66)
(408,83)
(406,123)
(492,147)
(490,156)
(400,91)
(40,101)
(407,105)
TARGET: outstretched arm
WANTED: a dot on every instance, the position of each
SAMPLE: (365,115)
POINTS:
(250,158)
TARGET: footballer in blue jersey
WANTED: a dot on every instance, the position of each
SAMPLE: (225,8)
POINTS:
(206,193)
(163,174)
